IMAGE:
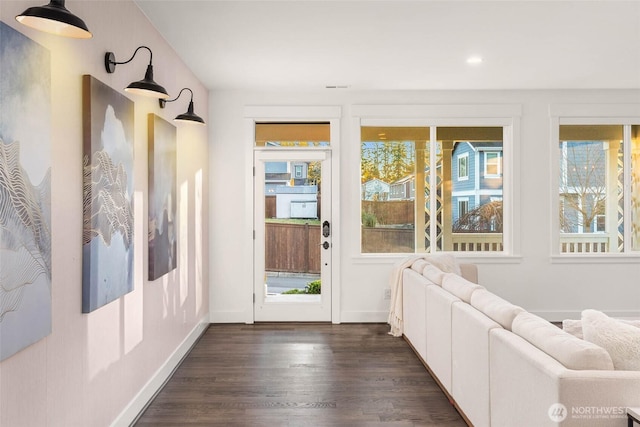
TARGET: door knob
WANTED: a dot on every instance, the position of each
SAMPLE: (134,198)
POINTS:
(325,245)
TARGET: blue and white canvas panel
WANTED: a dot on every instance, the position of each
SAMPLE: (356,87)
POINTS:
(107,251)
(25,192)
(162,197)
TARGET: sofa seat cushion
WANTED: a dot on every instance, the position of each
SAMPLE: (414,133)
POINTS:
(459,286)
(621,340)
(494,307)
(572,352)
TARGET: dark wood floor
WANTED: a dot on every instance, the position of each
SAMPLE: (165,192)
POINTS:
(301,375)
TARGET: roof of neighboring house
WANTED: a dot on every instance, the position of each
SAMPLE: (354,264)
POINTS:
(403,180)
(375,180)
(297,189)
(480,145)
(269,176)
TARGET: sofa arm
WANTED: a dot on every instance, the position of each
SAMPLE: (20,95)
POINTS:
(469,272)
(525,383)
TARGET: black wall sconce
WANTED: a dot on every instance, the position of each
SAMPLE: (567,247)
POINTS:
(189,116)
(146,86)
(54,18)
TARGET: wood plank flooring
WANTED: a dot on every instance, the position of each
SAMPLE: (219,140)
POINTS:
(301,375)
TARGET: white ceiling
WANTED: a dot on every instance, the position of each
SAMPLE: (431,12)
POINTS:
(402,44)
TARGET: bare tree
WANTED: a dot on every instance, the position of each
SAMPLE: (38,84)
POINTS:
(582,189)
(486,218)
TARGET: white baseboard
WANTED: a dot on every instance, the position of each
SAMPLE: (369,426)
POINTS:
(560,315)
(229,317)
(364,316)
(148,392)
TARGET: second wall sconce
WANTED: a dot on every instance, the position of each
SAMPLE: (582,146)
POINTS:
(189,116)
(56,19)
(146,86)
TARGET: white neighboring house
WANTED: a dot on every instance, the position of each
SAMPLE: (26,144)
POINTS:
(299,201)
(375,189)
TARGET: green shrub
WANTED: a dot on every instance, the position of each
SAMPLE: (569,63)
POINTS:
(313,287)
(369,219)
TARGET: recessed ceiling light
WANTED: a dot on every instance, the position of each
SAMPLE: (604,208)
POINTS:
(474,59)
(337,86)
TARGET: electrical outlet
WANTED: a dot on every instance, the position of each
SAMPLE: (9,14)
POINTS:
(387,293)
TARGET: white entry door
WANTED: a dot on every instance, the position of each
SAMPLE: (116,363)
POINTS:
(293,234)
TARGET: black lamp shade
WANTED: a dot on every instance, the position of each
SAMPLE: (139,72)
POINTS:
(54,18)
(189,116)
(147,86)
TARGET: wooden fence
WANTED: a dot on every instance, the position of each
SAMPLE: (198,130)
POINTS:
(387,240)
(390,212)
(292,248)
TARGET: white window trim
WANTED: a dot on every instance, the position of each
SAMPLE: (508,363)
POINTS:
(507,116)
(587,114)
(293,113)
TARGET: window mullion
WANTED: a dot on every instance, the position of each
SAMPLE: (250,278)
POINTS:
(433,189)
(626,189)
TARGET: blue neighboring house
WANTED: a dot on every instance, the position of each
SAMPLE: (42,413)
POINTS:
(476,176)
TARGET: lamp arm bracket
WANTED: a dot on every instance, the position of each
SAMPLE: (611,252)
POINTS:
(110,59)
(163,102)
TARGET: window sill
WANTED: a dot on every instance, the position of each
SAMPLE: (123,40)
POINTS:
(602,258)
(463,257)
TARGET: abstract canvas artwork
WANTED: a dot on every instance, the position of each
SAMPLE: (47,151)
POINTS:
(25,192)
(107,251)
(162,197)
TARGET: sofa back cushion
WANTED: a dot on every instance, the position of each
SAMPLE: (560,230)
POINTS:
(459,286)
(419,265)
(572,352)
(494,307)
(433,274)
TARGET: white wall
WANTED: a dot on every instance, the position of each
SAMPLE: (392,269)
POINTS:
(93,365)
(532,279)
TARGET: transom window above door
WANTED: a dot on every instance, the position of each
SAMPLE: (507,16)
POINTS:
(292,135)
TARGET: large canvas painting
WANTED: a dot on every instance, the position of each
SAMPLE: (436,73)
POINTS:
(25,192)
(162,197)
(107,252)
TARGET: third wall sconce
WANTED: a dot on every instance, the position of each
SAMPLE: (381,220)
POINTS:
(189,116)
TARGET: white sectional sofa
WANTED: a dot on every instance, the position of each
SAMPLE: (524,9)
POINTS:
(503,366)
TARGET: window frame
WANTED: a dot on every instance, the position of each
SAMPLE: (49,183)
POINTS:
(498,165)
(507,116)
(590,114)
(459,161)
(463,201)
